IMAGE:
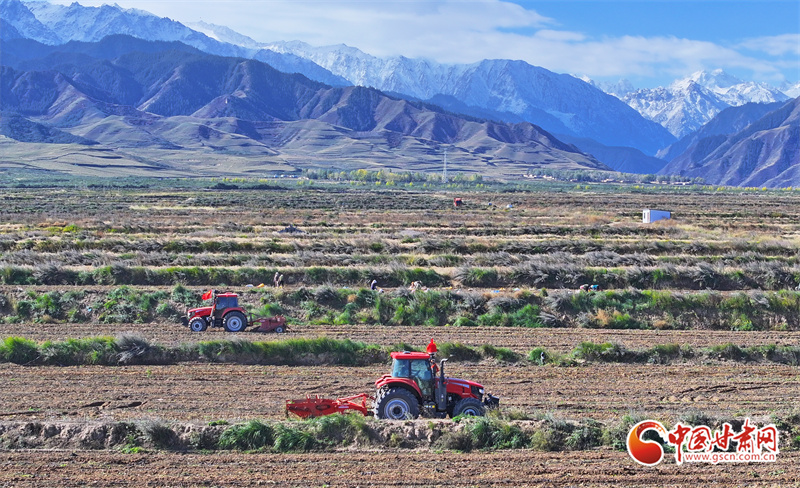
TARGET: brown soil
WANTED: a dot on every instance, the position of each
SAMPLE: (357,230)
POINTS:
(206,392)
(392,468)
(202,392)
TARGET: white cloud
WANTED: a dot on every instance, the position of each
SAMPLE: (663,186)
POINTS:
(782,45)
(561,36)
(465,31)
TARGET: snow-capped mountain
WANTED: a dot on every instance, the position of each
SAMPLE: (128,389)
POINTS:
(618,89)
(689,103)
(512,90)
(734,91)
(224,34)
(15,15)
(792,90)
(51,23)
(681,108)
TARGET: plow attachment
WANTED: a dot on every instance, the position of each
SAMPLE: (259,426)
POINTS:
(317,407)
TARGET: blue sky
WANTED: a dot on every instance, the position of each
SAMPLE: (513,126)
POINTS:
(649,42)
(710,20)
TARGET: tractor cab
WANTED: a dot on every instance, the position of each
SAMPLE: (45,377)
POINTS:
(222,303)
(417,367)
(226,300)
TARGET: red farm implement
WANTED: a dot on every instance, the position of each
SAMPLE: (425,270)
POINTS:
(317,407)
(271,324)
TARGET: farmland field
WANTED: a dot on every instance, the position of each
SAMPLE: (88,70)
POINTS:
(715,287)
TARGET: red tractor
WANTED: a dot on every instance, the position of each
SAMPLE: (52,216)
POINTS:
(412,389)
(226,312)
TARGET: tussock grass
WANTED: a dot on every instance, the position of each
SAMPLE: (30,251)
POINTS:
(18,350)
(253,435)
(489,433)
(294,438)
(297,435)
(159,433)
(321,350)
(458,352)
(500,353)
(74,352)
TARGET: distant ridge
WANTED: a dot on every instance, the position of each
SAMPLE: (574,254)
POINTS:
(129,94)
(764,153)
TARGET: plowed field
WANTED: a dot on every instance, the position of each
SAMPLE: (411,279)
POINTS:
(737,249)
(512,469)
(206,392)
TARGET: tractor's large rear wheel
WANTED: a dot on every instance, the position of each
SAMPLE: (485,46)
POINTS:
(198,324)
(396,404)
(235,322)
(469,406)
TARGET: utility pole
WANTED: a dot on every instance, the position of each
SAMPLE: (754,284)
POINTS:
(444,172)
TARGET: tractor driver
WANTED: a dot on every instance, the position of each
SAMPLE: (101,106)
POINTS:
(421,373)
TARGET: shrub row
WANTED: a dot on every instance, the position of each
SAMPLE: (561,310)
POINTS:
(498,430)
(426,251)
(549,273)
(120,305)
(118,274)
(666,353)
(133,349)
(611,309)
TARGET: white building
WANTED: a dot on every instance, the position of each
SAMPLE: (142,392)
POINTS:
(650,215)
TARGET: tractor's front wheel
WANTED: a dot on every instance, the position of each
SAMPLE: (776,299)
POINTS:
(198,324)
(235,322)
(469,406)
(280,330)
(396,404)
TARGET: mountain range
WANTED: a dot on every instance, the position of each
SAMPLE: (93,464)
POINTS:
(763,152)
(503,90)
(688,104)
(513,115)
(142,97)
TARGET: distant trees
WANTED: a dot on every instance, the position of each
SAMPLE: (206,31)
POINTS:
(388,177)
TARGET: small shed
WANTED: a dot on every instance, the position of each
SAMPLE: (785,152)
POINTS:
(651,215)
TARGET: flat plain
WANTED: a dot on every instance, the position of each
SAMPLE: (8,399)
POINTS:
(78,261)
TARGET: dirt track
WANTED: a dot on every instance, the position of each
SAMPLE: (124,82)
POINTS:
(504,468)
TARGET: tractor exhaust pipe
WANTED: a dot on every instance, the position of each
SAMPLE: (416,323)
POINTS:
(441,389)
